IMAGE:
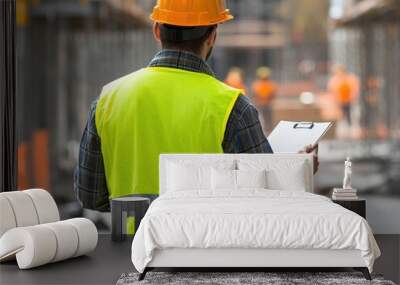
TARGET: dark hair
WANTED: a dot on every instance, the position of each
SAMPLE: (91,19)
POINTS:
(184,38)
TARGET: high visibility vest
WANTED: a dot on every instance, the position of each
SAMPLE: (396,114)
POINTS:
(344,90)
(158,110)
(263,91)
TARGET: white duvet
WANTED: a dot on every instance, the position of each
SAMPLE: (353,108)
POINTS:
(250,219)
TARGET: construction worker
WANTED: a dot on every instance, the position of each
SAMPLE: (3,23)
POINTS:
(234,78)
(345,88)
(264,90)
(175,105)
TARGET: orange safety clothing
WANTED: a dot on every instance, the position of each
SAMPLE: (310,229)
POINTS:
(345,87)
(263,91)
(236,84)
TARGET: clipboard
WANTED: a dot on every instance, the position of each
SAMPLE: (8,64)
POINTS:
(291,137)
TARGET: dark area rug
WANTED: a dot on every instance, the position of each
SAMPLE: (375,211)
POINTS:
(243,278)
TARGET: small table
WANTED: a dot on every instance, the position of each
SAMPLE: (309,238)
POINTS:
(123,209)
(357,206)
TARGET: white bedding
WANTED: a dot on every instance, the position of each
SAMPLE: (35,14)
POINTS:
(252,218)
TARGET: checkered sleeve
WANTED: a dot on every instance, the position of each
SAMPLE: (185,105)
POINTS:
(244,133)
(89,178)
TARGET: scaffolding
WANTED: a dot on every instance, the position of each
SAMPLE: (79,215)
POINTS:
(367,41)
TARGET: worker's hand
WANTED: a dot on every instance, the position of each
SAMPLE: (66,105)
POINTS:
(314,150)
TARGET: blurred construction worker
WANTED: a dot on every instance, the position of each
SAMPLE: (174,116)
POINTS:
(345,87)
(174,105)
(234,78)
(264,90)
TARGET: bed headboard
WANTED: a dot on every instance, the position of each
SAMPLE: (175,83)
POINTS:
(164,158)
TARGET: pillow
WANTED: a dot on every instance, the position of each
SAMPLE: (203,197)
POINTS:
(282,174)
(223,179)
(293,180)
(186,174)
(189,177)
(251,178)
(200,161)
(237,179)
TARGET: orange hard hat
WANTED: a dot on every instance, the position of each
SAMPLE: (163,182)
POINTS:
(191,13)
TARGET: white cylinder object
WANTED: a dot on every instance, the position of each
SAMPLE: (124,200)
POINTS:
(45,205)
(87,234)
(23,208)
(37,245)
(33,246)
(7,218)
(67,239)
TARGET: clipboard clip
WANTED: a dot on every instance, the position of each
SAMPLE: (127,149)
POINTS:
(304,125)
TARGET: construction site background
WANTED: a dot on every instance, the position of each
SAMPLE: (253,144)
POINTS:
(67,50)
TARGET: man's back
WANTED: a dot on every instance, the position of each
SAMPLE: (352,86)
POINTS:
(243,133)
(158,110)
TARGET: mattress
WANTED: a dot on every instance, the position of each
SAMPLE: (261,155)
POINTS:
(251,219)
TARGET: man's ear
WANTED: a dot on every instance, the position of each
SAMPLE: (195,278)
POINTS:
(212,38)
(156,32)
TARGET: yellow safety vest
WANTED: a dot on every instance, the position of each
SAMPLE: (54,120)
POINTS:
(158,110)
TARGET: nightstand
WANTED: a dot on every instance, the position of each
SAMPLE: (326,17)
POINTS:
(126,215)
(357,206)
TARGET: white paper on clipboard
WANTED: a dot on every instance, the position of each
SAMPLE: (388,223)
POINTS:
(291,137)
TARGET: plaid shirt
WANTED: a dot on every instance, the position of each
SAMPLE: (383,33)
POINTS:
(243,135)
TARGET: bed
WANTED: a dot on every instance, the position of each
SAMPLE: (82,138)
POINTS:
(247,211)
